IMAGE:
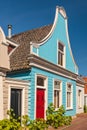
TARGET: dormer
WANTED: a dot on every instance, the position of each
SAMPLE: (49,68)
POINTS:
(12,45)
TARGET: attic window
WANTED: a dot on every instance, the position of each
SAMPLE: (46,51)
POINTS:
(10,48)
(60,54)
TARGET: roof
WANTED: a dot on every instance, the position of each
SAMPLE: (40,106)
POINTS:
(19,58)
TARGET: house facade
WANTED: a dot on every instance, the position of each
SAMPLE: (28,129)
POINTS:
(42,70)
(85,91)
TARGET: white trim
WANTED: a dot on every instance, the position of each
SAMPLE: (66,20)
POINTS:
(35,97)
(52,29)
(79,98)
(12,43)
(60,102)
(63,13)
(17,81)
(57,51)
(17,84)
(32,44)
(67,35)
(23,96)
(56,72)
(64,61)
(9,95)
(13,50)
(81,85)
(31,48)
(80,109)
(71,107)
(35,45)
(46,93)
(6,44)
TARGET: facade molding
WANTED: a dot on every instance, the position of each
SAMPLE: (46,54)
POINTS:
(9,41)
(52,29)
(63,13)
(80,82)
(5,43)
(48,66)
(10,83)
(16,81)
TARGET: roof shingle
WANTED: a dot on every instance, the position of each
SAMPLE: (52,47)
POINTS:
(19,58)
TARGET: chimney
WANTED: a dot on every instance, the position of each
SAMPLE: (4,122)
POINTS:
(9,30)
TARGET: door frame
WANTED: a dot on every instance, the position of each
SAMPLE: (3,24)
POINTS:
(22,97)
(46,93)
(18,101)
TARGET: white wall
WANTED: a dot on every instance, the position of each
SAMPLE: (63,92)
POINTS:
(85,99)
(80,110)
(1,97)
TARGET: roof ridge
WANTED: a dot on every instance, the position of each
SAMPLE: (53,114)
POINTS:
(30,30)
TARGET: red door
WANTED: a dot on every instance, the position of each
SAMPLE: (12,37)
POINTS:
(40,101)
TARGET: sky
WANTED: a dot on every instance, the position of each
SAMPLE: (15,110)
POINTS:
(25,15)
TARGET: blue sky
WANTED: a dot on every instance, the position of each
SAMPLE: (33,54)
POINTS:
(24,15)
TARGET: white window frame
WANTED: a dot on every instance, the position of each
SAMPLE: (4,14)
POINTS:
(35,46)
(63,53)
(71,96)
(79,98)
(40,86)
(60,92)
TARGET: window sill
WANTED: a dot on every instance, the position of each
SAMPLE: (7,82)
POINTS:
(62,66)
(56,109)
(79,107)
(69,109)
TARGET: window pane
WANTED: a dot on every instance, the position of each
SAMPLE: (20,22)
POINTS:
(57,85)
(40,81)
(60,58)
(56,98)
(61,47)
(69,87)
(68,99)
(79,98)
(60,54)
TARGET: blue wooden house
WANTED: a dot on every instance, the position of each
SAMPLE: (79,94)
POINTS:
(43,56)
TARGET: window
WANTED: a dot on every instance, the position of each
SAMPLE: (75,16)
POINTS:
(61,54)
(69,96)
(57,94)
(40,81)
(79,98)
